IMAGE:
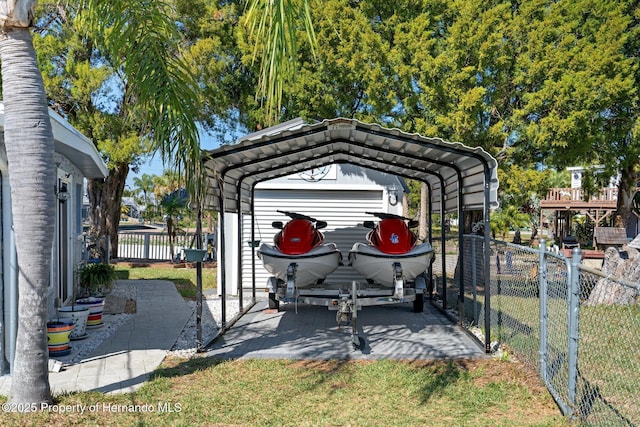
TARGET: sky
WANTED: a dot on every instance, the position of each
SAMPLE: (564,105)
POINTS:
(153,165)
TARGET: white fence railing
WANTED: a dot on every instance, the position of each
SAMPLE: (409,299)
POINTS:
(155,246)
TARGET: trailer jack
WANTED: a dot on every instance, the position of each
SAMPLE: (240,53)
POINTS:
(291,280)
(348,311)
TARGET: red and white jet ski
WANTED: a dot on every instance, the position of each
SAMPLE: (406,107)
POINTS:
(299,257)
(391,256)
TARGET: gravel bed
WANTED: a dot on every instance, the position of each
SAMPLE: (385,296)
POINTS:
(80,349)
(185,346)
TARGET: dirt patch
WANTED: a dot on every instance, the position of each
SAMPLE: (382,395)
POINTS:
(130,307)
(117,304)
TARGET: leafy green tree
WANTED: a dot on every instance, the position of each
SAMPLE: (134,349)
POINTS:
(520,186)
(227,82)
(349,75)
(131,94)
(578,72)
(534,83)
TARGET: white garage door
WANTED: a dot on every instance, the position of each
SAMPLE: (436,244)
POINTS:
(343,210)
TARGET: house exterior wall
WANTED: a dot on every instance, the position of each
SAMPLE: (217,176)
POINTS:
(82,158)
(68,173)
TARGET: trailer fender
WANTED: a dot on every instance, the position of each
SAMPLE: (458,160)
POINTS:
(420,284)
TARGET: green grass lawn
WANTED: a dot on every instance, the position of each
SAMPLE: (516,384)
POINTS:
(184,278)
(214,392)
(608,357)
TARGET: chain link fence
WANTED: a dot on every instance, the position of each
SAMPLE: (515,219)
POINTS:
(608,360)
(579,328)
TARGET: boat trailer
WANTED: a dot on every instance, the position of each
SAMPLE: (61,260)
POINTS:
(346,302)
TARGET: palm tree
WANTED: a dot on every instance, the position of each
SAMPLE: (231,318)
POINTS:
(135,35)
(160,96)
(120,26)
(172,206)
(144,184)
(507,218)
(28,140)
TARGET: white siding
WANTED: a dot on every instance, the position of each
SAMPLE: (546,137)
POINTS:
(343,210)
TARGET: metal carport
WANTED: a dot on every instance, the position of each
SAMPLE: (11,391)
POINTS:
(459,178)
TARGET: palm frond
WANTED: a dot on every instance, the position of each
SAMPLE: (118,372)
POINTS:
(143,41)
(272,24)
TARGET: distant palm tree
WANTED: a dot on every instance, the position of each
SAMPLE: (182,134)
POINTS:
(507,219)
(144,184)
(172,205)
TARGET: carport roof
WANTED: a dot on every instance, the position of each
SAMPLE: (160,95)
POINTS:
(452,170)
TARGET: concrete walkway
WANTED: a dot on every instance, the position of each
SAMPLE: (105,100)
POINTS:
(124,361)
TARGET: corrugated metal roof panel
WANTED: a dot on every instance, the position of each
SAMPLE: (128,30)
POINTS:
(271,154)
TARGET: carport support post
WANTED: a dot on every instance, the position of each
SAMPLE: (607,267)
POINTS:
(474,281)
(430,228)
(443,244)
(223,269)
(199,281)
(253,245)
(487,260)
(461,260)
(240,248)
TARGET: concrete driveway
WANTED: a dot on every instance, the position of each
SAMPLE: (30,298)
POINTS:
(311,332)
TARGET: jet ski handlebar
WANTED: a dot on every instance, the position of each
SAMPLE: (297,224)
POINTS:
(384,215)
(294,215)
(411,223)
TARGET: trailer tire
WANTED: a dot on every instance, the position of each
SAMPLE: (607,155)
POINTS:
(418,303)
(274,304)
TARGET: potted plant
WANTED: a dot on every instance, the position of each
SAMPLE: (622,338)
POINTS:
(95,280)
(79,314)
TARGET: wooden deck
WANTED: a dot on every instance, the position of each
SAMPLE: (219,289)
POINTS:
(586,254)
(573,199)
(560,204)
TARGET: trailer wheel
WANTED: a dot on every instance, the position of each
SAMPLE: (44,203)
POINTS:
(274,304)
(418,303)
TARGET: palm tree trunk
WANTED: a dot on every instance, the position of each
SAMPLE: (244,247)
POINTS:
(30,151)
